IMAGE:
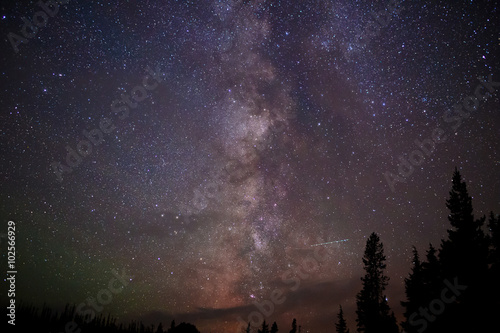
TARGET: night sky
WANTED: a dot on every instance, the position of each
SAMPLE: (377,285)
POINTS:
(222,142)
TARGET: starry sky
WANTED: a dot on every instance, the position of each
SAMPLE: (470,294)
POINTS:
(231,140)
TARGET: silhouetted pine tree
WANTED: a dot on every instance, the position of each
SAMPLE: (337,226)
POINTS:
(464,257)
(341,325)
(414,290)
(294,326)
(264,328)
(248,329)
(172,327)
(274,328)
(372,308)
(465,252)
(160,328)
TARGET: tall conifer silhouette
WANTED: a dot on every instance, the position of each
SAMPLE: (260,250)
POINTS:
(341,325)
(372,308)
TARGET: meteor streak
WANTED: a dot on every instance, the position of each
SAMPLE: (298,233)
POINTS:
(339,241)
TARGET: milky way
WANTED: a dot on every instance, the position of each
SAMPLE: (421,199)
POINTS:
(261,157)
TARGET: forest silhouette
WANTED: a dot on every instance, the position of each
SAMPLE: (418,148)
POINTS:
(454,289)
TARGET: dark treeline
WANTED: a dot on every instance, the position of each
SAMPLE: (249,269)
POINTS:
(454,289)
(33,319)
